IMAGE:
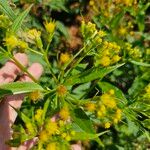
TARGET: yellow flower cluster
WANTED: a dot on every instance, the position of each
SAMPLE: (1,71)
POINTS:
(134,53)
(35,95)
(126,2)
(34,34)
(52,146)
(64,113)
(89,31)
(106,109)
(12,42)
(108,54)
(50,26)
(51,130)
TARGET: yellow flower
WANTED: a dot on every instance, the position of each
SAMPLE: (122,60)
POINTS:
(116,58)
(118,114)
(147,89)
(44,137)
(51,146)
(64,135)
(107,125)
(72,132)
(101,33)
(51,127)
(30,128)
(108,100)
(50,26)
(36,95)
(64,113)
(111,92)
(34,34)
(64,58)
(90,106)
(38,115)
(11,41)
(68,138)
(61,90)
(122,31)
(23,44)
(105,61)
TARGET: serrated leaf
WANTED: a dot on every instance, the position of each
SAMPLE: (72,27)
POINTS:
(90,75)
(82,120)
(19,20)
(19,88)
(105,86)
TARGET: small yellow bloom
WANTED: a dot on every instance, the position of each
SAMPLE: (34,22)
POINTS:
(23,44)
(51,146)
(50,26)
(122,31)
(51,127)
(64,113)
(90,106)
(73,133)
(36,95)
(38,115)
(64,135)
(108,100)
(111,91)
(107,125)
(101,33)
(11,41)
(68,138)
(116,58)
(61,90)
(105,61)
(34,34)
(30,128)
(44,137)
(64,58)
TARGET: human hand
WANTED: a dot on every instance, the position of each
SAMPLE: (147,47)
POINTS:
(8,73)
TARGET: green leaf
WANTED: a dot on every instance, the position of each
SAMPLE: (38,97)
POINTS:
(6,9)
(116,19)
(139,84)
(140,63)
(82,120)
(146,123)
(86,136)
(19,88)
(61,27)
(19,20)
(105,86)
(45,109)
(90,75)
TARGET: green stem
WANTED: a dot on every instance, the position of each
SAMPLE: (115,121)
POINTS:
(23,69)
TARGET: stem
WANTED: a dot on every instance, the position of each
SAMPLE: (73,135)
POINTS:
(24,69)
(50,67)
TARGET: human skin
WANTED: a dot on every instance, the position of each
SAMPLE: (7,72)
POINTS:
(8,73)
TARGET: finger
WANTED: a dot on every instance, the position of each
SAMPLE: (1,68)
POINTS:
(35,69)
(9,72)
(16,100)
(8,114)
